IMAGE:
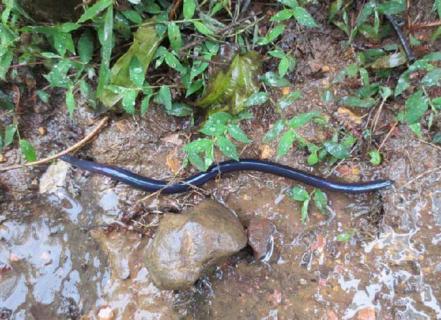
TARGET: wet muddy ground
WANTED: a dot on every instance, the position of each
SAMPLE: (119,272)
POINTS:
(77,248)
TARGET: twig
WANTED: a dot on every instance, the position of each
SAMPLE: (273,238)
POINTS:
(426,25)
(76,146)
(387,136)
(420,176)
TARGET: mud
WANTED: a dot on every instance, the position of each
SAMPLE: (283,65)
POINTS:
(78,250)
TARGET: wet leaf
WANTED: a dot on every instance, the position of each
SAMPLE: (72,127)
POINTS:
(303,17)
(392,7)
(136,72)
(305,207)
(144,45)
(94,10)
(345,236)
(432,78)
(10,131)
(174,36)
(275,130)
(274,80)
(302,119)
(164,97)
(5,62)
(286,64)
(282,15)
(375,157)
(105,36)
(227,147)
(133,16)
(180,109)
(299,194)
(337,150)
(189,8)
(320,200)
(70,101)
(202,28)
(437,138)
(85,47)
(27,150)
(197,147)
(57,77)
(415,107)
(145,103)
(237,133)
(231,89)
(352,101)
(416,128)
(286,142)
(128,100)
(390,61)
(272,35)
(256,99)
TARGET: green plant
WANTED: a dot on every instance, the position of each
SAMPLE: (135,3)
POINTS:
(317,196)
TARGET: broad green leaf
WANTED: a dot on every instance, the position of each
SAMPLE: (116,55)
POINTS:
(70,101)
(437,138)
(256,99)
(136,72)
(272,79)
(392,7)
(286,142)
(299,194)
(133,16)
(10,131)
(416,128)
(337,150)
(272,35)
(164,97)
(6,102)
(174,63)
(202,28)
(189,8)
(129,100)
(85,47)
(200,146)
(352,101)
(303,17)
(230,89)
(227,147)
(320,200)
(432,78)
(390,61)
(105,37)
(415,107)
(58,77)
(345,236)
(302,119)
(94,10)
(237,133)
(305,207)
(5,63)
(180,109)
(289,99)
(282,15)
(145,103)
(174,36)
(27,150)
(286,64)
(438,7)
(275,130)
(375,157)
(144,45)
(402,84)
(277,53)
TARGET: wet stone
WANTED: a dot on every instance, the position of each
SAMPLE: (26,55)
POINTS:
(186,245)
(260,236)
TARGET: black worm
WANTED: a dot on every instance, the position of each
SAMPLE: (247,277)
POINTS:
(197,180)
(403,39)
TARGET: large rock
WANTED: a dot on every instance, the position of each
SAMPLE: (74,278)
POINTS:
(186,245)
